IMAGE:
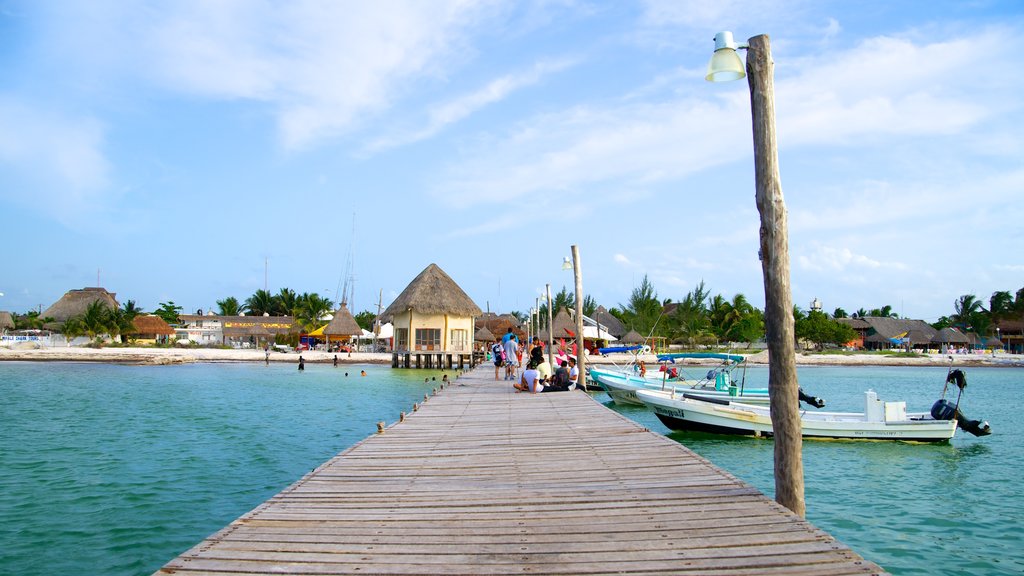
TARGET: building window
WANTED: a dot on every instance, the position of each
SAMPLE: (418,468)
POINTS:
(460,340)
(401,338)
(428,339)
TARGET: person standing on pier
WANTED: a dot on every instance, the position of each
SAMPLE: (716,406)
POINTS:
(497,353)
(511,347)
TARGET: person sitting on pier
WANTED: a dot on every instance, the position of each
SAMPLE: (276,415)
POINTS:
(560,381)
(530,380)
(574,375)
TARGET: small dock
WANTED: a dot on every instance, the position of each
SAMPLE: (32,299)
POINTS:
(482,480)
(434,360)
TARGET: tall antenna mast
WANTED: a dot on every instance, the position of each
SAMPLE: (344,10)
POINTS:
(266,265)
(348,290)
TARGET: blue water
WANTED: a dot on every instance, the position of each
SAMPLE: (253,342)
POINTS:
(912,508)
(108,469)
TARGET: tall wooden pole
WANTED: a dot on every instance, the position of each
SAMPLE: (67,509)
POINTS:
(577,272)
(782,380)
(551,332)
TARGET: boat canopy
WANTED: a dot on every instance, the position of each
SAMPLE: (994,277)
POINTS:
(716,355)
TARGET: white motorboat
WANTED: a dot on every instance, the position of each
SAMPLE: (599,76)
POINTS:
(880,420)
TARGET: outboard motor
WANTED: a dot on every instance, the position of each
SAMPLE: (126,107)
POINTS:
(808,399)
(945,410)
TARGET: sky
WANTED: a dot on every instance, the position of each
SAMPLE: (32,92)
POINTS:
(189,151)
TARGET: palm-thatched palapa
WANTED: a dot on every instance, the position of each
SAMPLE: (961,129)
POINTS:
(150,327)
(950,336)
(483,335)
(610,323)
(6,321)
(433,313)
(343,324)
(632,337)
(75,302)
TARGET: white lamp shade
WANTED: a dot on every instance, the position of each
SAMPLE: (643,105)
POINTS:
(725,65)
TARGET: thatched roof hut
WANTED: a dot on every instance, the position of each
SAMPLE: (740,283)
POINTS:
(343,324)
(499,324)
(950,336)
(563,326)
(610,323)
(150,326)
(75,302)
(433,292)
(632,337)
(433,314)
(483,335)
(6,321)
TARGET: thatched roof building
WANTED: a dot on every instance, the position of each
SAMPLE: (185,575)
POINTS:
(433,292)
(483,335)
(950,336)
(563,326)
(150,326)
(6,321)
(632,337)
(610,323)
(343,324)
(499,324)
(433,313)
(75,302)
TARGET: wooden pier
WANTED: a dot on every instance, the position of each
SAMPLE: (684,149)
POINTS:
(436,360)
(482,480)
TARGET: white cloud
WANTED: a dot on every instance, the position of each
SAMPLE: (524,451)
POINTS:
(621,259)
(835,259)
(325,67)
(463,106)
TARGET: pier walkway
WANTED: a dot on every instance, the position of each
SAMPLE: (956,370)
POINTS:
(483,480)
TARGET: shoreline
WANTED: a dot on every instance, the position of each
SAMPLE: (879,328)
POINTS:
(163,356)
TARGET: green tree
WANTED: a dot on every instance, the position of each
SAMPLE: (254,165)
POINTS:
(260,303)
(230,306)
(690,321)
(1000,305)
(365,319)
(860,313)
(840,313)
(96,319)
(643,310)
(883,312)
(169,312)
(818,328)
(965,309)
(31,320)
(589,305)
(286,302)
(310,309)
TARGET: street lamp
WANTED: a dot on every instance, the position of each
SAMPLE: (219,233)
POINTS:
(566,265)
(774,254)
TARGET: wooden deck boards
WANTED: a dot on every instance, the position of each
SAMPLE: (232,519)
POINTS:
(483,480)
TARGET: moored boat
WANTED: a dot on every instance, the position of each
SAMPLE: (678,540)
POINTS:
(880,420)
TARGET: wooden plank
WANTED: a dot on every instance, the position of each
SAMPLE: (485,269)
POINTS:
(484,480)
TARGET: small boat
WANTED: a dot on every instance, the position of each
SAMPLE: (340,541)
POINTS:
(880,420)
(622,383)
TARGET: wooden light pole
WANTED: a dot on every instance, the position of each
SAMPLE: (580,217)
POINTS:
(577,273)
(551,331)
(774,254)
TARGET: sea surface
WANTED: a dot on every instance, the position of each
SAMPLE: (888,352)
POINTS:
(110,469)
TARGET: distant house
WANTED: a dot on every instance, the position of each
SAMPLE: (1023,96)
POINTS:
(238,331)
(882,333)
(433,314)
(75,302)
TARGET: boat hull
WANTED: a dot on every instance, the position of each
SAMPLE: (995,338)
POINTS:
(725,417)
(622,388)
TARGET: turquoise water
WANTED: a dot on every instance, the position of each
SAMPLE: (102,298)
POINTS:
(912,508)
(108,469)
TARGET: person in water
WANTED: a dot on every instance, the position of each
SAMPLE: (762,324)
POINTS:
(302,363)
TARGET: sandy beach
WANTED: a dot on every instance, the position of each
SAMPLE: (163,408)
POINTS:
(189,355)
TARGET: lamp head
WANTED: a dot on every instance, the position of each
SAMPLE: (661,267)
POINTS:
(566,265)
(725,63)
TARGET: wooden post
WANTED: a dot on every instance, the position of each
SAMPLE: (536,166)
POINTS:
(577,272)
(778,313)
(551,331)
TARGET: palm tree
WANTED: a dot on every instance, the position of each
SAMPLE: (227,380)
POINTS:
(1000,305)
(644,309)
(839,313)
(96,319)
(287,301)
(965,308)
(260,303)
(230,307)
(860,313)
(309,310)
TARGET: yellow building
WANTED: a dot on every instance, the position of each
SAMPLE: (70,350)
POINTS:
(433,315)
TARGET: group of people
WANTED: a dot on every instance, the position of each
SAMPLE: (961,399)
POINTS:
(537,377)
